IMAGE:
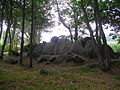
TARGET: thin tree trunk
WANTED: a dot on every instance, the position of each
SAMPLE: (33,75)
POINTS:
(2,16)
(96,22)
(31,36)
(76,27)
(76,33)
(68,27)
(9,16)
(14,20)
(34,35)
(13,35)
(10,36)
(99,56)
(106,64)
(10,46)
(87,21)
(22,38)
(38,36)
(16,46)
(71,36)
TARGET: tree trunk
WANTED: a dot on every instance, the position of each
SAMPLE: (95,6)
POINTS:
(9,16)
(10,36)
(13,35)
(16,46)
(31,36)
(96,22)
(106,64)
(22,38)
(34,37)
(38,36)
(68,27)
(71,36)
(76,33)
(99,55)
(2,16)
(10,46)
(76,27)
(13,32)
(87,21)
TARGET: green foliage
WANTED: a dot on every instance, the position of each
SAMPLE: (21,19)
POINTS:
(6,48)
(115,47)
(6,53)
(66,11)
(0,46)
(118,40)
(110,13)
(42,18)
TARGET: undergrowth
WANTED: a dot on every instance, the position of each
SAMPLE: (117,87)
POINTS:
(14,77)
(115,47)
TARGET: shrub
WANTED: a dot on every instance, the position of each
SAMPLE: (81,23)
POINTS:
(115,47)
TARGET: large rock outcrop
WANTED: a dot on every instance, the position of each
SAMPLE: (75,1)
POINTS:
(54,39)
(84,47)
(38,49)
(48,48)
(77,48)
(89,50)
(62,46)
(110,51)
(57,46)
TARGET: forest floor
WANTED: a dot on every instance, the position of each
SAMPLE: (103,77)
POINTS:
(65,76)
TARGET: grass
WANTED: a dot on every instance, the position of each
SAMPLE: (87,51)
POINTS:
(49,71)
(6,75)
(14,77)
(11,61)
(26,88)
(117,78)
(86,70)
